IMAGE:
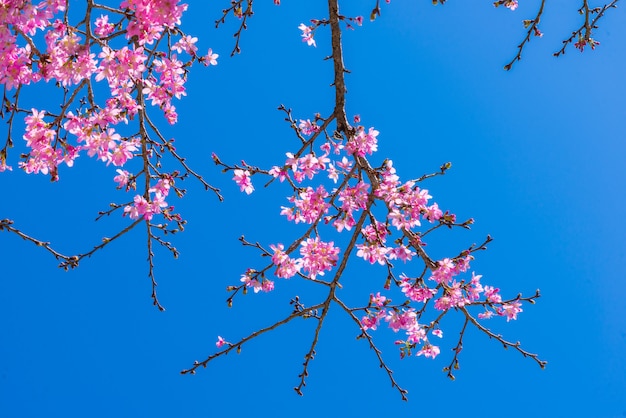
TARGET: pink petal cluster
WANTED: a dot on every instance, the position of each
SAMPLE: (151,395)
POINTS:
(307,34)
(151,18)
(510,310)
(170,84)
(287,267)
(43,157)
(220,342)
(145,208)
(307,127)
(448,268)
(363,143)
(318,256)
(308,206)
(416,293)
(68,58)
(243,180)
(102,26)
(257,286)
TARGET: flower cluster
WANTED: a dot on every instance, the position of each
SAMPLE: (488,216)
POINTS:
(307,34)
(249,279)
(145,208)
(407,206)
(69,58)
(317,257)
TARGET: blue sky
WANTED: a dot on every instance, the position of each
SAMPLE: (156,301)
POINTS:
(537,158)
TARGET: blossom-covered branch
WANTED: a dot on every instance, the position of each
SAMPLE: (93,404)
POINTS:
(111,68)
(374,217)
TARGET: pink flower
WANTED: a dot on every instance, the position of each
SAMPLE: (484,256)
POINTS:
(210,58)
(309,207)
(415,292)
(220,342)
(492,295)
(363,143)
(369,322)
(444,272)
(287,266)
(318,256)
(186,43)
(433,213)
(407,319)
(582,42)
(373,253)
(475,288)
(103,27)
(278,172)
(242,178)
(401,252)
(121,178)
(510,310)
(307,127)
(267,285)
(307,34)
(279,255)
(140,207)
(428,350)
(485,315)
(4,166)
(378,300)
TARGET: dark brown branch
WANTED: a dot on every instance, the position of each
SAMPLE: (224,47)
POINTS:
(296,314)
(532,30)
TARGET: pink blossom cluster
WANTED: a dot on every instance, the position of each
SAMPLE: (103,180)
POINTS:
(249,279)
(309,205)
(243,180)
(404,319)
(44,157)
(448,268)
(307,127)
(27,18)
(287,267)
(307,34)
(105,144)
(407,203)
(457,294)
(363,143)
(375,250)
(317,257)
(170,84)
(582,43)
(407,206)
(414,291)
(147,208)
(68,56)
(151,18)
(68,59)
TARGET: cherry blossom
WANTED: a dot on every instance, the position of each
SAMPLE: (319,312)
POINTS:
(307,34)
(318,256)
(243,180)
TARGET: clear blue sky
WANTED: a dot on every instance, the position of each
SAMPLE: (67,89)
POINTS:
(538,161)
